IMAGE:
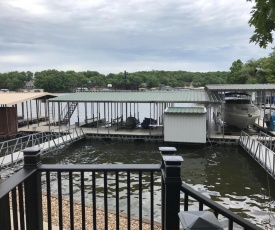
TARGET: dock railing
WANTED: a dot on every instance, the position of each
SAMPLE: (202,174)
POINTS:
(11,151)
(98,193)
(259,152)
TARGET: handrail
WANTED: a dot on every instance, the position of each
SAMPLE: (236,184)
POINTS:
(217,208)
(19,177)
(259,151)
(42,139)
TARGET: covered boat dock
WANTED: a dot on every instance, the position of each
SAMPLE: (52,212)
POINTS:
(124,114)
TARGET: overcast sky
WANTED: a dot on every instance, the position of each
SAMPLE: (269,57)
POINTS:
(110,36)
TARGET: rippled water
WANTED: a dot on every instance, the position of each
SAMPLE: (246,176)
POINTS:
(226,174)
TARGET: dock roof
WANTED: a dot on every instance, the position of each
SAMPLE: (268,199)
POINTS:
(185,96)
(9,99)
(194,109)
(241,87)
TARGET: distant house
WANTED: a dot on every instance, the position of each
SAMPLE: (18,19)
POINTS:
(81,89)
(143,85)
(29,85)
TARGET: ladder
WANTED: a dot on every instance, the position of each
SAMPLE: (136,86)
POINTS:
(68,111)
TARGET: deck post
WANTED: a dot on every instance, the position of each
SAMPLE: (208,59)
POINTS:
(171,182)
(33,194)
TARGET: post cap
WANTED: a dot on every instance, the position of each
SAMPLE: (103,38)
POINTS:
(172,160)
(199,220)
(31,150)
(167,150)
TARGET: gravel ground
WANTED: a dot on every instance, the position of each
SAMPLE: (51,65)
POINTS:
(88,213)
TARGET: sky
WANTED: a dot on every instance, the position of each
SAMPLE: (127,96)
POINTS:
(111,36)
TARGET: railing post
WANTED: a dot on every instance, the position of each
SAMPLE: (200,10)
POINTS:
(171,182)
(33,193)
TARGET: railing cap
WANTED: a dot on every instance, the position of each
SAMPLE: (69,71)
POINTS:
(31,150)
(163,149)
(172,159)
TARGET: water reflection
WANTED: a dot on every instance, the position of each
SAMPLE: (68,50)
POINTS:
(226,174)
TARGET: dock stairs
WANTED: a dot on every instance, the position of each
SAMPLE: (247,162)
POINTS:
(261,148)
(68,112)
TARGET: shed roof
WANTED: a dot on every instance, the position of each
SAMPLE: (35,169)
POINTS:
(194,109)
(9,99)
(240,87)
(185,96)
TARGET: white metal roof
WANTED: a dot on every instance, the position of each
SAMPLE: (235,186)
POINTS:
(185,96)
(241,87)
(9,99)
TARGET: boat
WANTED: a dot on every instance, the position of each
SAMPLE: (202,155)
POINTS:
(239,111)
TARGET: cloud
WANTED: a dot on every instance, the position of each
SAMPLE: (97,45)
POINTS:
(110,36)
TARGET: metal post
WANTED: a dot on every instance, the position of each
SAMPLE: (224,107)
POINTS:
(33,194)
(171,182)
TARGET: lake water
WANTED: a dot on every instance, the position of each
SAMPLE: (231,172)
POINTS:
(226,174)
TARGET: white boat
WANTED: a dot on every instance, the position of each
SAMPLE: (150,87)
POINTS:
(239,111)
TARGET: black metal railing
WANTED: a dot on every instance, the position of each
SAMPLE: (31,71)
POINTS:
(234,221)
(106,196)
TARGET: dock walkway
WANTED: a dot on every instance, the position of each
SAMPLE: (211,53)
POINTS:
(11,150)
(257,148)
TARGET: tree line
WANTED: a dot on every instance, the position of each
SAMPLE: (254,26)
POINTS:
(251,72)
(68,81)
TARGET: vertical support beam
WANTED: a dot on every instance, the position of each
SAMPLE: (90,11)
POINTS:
(86,117)
(31,110)
(22,107)
(36,108)
(171,182)
(33,193)
(27,115)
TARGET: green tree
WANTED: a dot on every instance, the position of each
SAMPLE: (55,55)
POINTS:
(235,72)
(263,19)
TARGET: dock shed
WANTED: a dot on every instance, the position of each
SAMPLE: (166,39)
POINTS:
(185,124)
(8,110)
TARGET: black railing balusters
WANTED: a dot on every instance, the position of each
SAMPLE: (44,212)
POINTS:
(21,206)
(128,201)
(94,200)
(105,201)
(186,199)
(230,224)
(59,189)
(71,200)
(200,206)
(49,204)
(152,200)
(140,199)
(5,218)
(117,201)
(14,208)
(83,201)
